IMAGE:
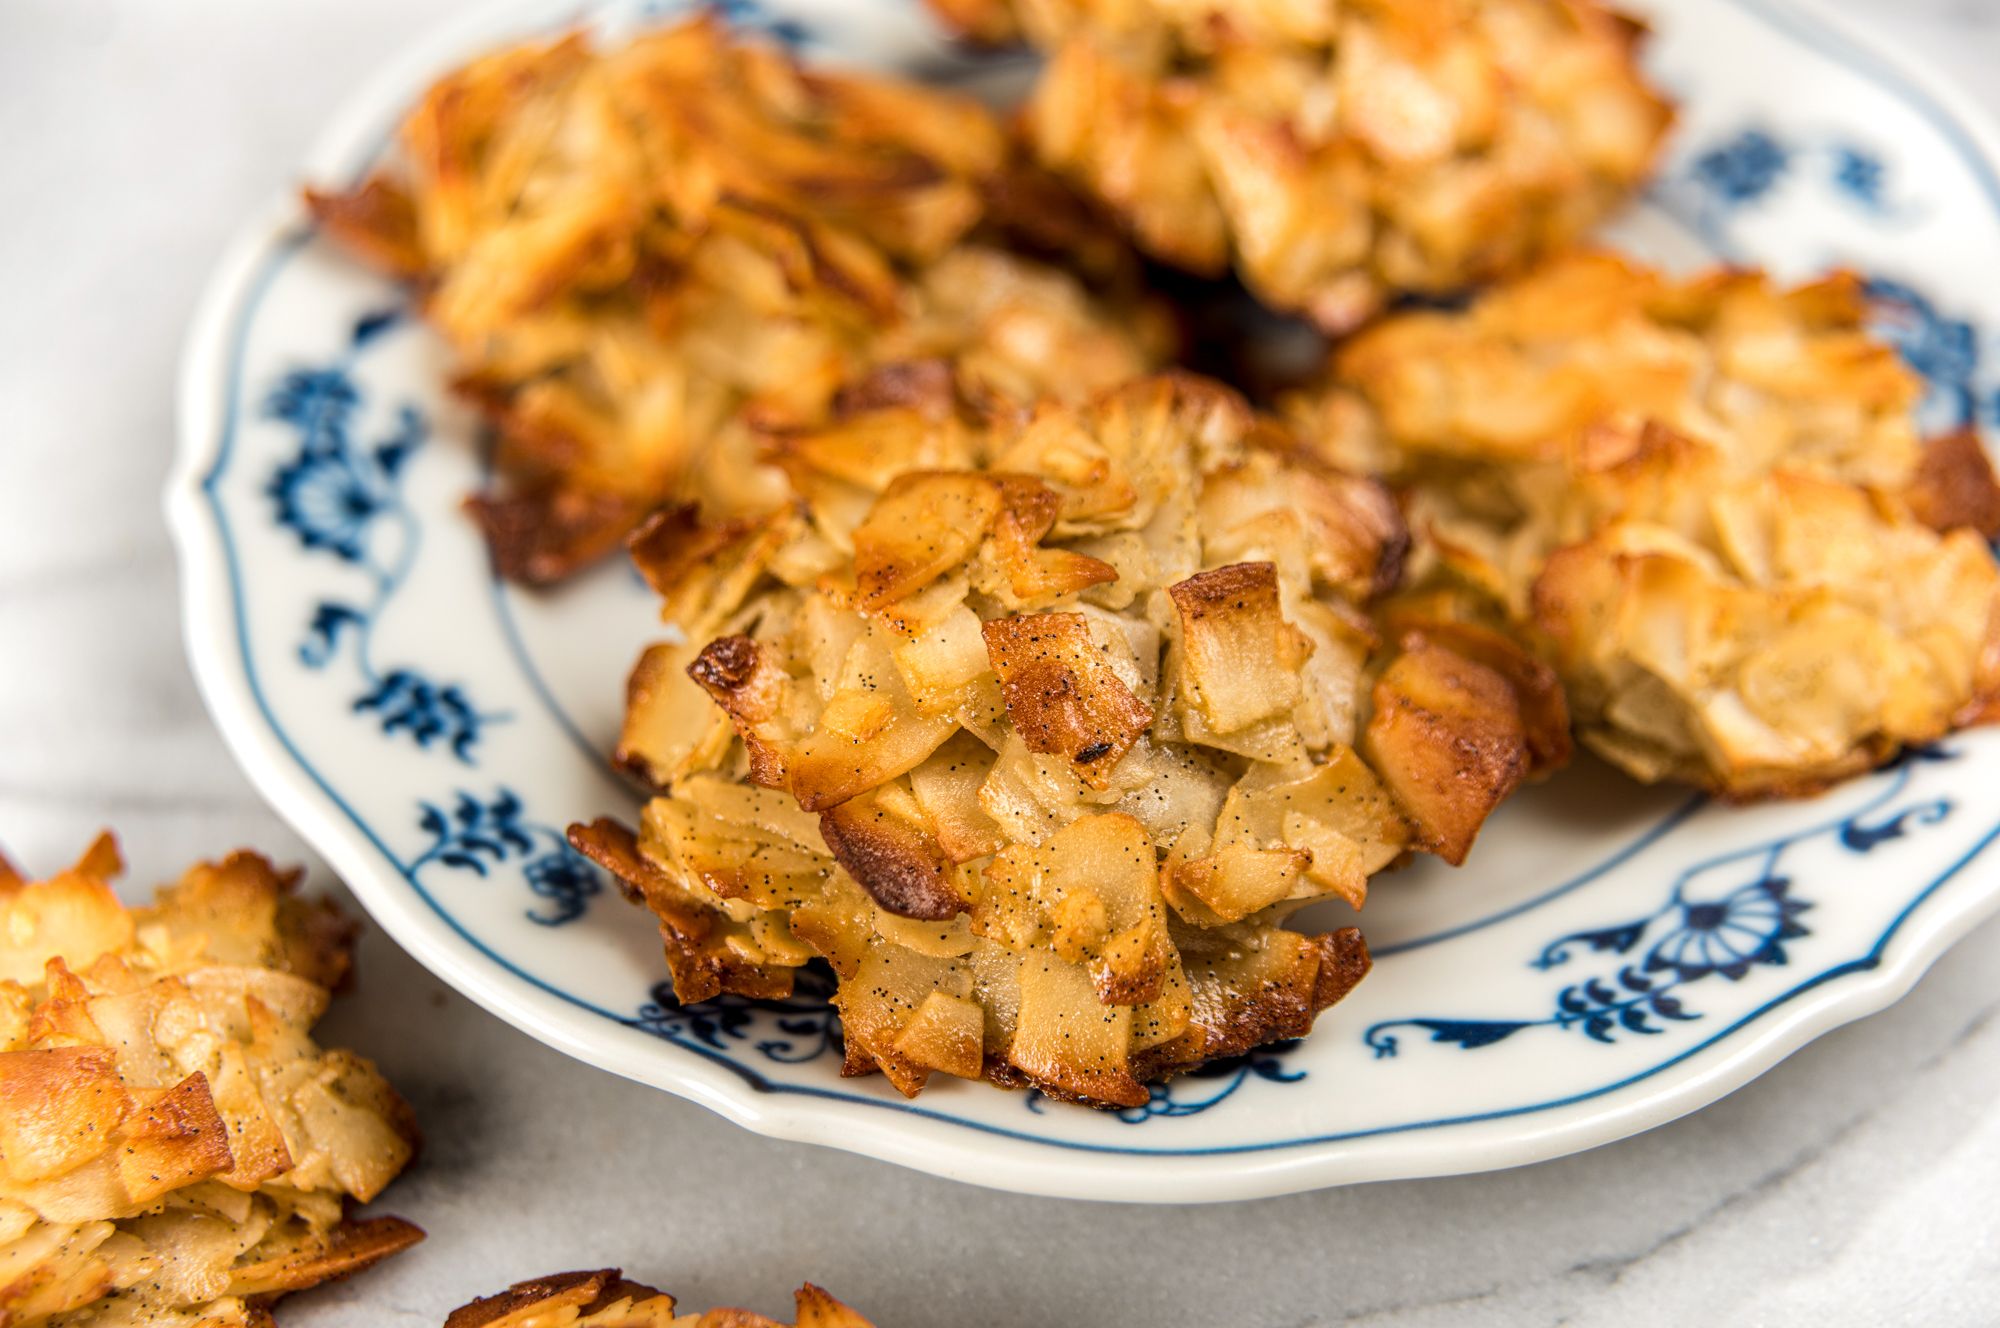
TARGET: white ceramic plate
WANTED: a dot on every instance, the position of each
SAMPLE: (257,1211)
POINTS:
(1609,959)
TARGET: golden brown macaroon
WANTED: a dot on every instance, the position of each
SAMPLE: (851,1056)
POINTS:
(606,1299)
(1037,733)
(1707,502)
(175,1150)
(642,254)
(1338,152)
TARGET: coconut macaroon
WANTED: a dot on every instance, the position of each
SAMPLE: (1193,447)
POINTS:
(635,252)
(1037,732)
(1340,151)
(1707,501)
(606,1299)
(174,1147)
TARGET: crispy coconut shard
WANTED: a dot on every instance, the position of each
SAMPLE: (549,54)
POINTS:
(607,1299)
(1334,155)
(1241,662)
(1705,503)
(1448,736)
(1954,486)
(1063,695)
(1038,750)
(648,258)
(174,1148)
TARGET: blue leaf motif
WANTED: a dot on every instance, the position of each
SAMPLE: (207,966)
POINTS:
(328,502)
(1866,838)
(1611,940)
(318,403)
(372,325)
(1470,1033)
(1859,174)
(408,702)
(392,452)
(1634,1018)
(1745,168)
(1467,1034)
(329,625)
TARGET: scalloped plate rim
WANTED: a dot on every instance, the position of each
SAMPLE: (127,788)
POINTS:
(917,1138)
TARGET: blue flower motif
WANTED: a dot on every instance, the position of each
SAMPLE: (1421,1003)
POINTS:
(1747,926)
(427,711)
(1694,935)
(328,501)
(1860,175)
(484,835)
(476,831)
(1743,169)
(318,403)
(342,496)
(564,879)
(1944,350)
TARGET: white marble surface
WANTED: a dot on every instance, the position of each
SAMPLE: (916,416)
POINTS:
(1857,1183)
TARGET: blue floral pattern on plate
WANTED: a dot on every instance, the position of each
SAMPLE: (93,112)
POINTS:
(1701,930)
(481,834)
(305,491)
(341,496)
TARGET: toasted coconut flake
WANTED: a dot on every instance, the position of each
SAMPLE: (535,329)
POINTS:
(708,952)
(543,535)
(1067,1039)
(1252,986)
(174,1148)
(601,1299)
(607,1299)
(1035,575)
(377,221)
(923,526)
(1704,501)
(1954,486)
(1017,795)
(1335,154)
(751,689)
(1241,659)
(704,571)
(1448,738)
(649,258)
(671,723)
(1063,695)
(898,863)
